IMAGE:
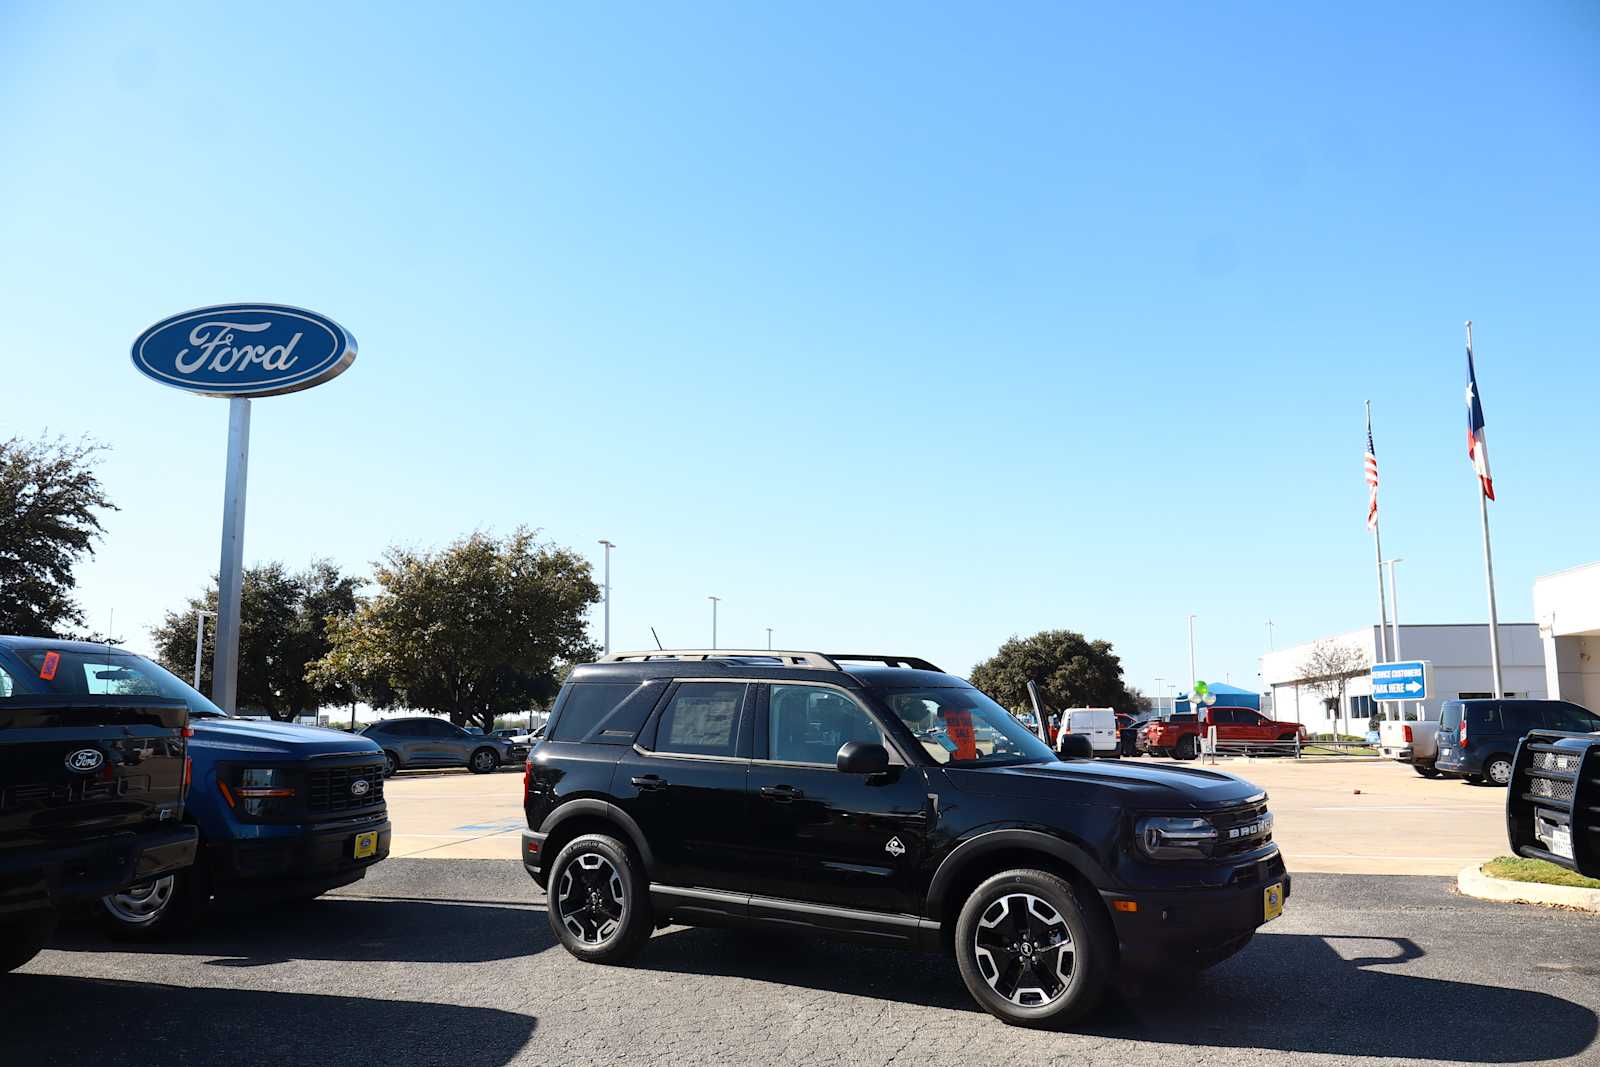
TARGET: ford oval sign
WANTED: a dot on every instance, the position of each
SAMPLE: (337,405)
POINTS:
(244,350)
(85,760)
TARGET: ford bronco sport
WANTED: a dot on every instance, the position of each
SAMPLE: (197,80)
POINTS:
(878,799)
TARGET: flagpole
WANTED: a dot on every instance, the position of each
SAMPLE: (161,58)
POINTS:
(1488,570)
(1377,545)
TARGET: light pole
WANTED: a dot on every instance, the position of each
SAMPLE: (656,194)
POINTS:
(1157,708)
(1270,625)
(1394,605)
(609,547)
(769,639)
(714,601)
(1192,675)
(199,642)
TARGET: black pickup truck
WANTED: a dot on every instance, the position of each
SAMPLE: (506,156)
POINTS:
(1553,805)
(91,789)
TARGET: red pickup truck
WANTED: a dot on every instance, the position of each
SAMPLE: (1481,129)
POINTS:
(1180,735)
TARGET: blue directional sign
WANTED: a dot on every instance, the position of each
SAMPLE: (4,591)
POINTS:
(1401,681)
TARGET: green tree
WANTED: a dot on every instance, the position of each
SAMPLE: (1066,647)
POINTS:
(480,629)
(283,624)
(49,496)
(1070,671)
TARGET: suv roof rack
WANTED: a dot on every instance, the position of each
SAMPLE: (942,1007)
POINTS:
(817,660)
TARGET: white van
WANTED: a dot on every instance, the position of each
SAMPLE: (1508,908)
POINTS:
(1098,724)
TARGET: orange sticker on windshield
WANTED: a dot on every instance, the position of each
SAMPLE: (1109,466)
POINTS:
(958,727)
(47,669)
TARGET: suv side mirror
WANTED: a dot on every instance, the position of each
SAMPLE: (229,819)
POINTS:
(1074,746)
(863,757)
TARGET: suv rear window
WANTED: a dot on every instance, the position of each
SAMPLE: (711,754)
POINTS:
(583,705)
(702,719)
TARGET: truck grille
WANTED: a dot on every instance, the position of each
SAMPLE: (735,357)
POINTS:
(1555,789)
(331,789)
(77,791)
(1242,829)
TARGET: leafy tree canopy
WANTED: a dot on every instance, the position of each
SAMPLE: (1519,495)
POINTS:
(479,629)
(48,498)
(283,627)
(1070,670)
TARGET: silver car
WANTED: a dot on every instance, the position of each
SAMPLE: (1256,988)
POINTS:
(428,742)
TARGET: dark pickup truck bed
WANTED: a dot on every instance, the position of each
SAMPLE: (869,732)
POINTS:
(91,801)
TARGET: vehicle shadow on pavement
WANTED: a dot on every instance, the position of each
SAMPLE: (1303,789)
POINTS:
(1285,992)
(1297,993)
(53,1019)
(353,930)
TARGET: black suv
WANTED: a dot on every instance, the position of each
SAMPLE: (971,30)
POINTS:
(877,799)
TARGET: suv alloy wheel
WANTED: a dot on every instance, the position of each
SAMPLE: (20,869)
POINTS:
(1029,953)
(598,902)
(483,761)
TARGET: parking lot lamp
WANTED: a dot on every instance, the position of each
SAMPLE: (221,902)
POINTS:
(769,639)
(609,546)
(1192,675)
(714,601)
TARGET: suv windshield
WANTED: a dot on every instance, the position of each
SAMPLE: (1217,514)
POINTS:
(961,725)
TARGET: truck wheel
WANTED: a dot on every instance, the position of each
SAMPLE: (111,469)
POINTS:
(23,936)
(1426,772)
(155,908)
(1497,769)
(598,902)
(1188,748)
(1030,953)
(483,761)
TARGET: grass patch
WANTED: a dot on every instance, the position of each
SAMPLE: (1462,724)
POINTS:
(1540,871)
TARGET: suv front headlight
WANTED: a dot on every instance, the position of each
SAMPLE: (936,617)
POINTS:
(1175,837)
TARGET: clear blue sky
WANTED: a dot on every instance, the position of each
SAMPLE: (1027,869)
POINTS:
(897,326)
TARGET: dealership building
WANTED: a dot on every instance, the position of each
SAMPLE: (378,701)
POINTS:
(1566,606)
(1459,655)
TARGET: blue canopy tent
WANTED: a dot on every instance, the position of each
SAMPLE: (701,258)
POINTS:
(1228,696)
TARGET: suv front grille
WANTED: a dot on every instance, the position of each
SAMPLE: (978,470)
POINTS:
(1242,829)
(329,789)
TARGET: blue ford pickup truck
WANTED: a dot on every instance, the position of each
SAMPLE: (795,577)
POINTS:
(283,811)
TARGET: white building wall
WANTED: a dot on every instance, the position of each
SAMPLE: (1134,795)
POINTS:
(1459,655)
(1567,607)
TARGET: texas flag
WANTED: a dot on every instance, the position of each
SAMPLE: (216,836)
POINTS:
(1477,446)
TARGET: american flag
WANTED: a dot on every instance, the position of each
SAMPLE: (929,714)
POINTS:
(1372,479)
(1477,446)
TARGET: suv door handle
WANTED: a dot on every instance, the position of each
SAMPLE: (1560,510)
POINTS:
(781,793)
(648,782)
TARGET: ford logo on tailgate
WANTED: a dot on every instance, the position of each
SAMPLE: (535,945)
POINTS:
(244,350)
(85,760)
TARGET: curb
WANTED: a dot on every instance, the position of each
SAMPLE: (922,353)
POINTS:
(1473,882)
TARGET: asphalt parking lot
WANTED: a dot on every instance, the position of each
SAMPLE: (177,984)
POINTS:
(451,962)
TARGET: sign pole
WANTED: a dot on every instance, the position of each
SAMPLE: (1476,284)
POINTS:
(230,580)
(1488,569)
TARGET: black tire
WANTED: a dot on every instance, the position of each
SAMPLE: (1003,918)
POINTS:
(391,764)
(23,936)
(603,914)
(1497,770)
(1188,747)
(483,761)
(156,908)
(997,972)
(1426,772)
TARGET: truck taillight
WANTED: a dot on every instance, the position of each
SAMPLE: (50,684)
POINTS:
(1408,735)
